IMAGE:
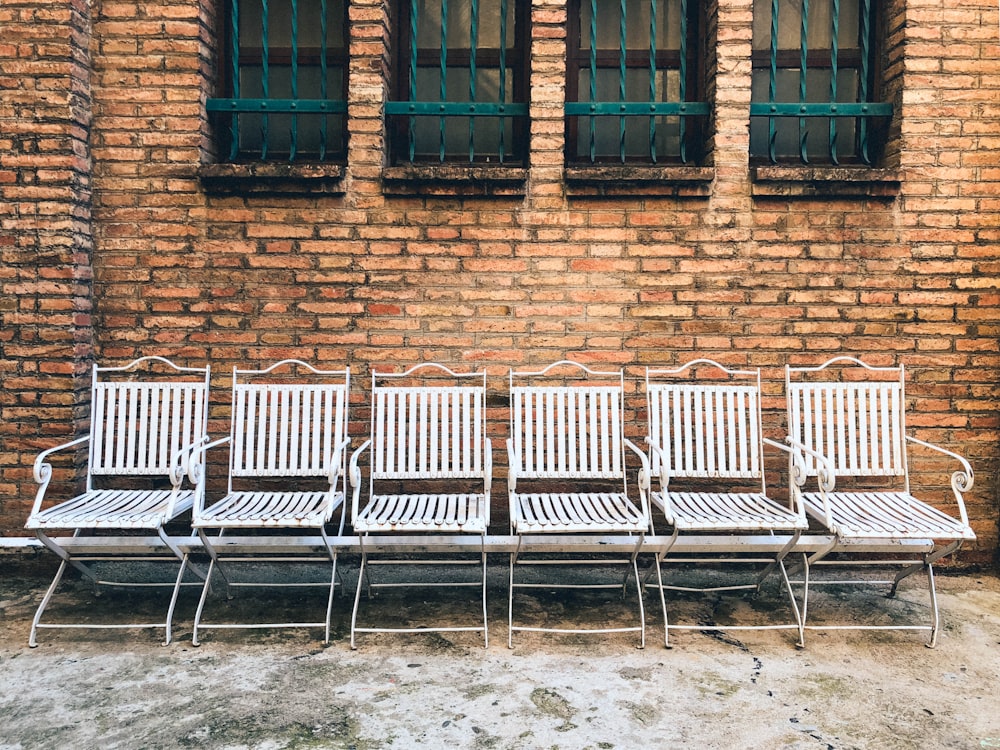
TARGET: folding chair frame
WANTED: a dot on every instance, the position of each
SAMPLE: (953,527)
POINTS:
(140,428)
(422,433)
(293,427)
(572,433)
(855,428)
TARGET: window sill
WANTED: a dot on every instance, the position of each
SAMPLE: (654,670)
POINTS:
(454,179)
(811,182)
(270,178)
(606,181)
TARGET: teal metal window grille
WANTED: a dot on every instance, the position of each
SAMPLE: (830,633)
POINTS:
(815,74)
(634,81)
(285,81)
(461,80)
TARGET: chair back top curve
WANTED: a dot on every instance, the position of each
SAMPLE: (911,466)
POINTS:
(428,423)
(566,422)
(288,420)
(143,413)
(705,419)
(856,421)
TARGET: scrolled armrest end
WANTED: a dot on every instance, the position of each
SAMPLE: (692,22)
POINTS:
(962,481)
(42,472)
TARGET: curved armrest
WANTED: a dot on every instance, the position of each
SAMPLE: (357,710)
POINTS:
(662,459)
(42,470)
(195,471)
(664,478)
(796,472)
(184,462)
(488,476)
(355,475)
(644,475)
(513,461)
(825,477)
(961,481)
(335,461)
(197,451)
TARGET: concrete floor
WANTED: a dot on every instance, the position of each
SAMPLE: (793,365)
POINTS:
(279,689)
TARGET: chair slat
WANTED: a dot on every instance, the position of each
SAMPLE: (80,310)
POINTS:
(857,426)
(567,432)
(286,430)
(433,432)
(137,428)
(706,431)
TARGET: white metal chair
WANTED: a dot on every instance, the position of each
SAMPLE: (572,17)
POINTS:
(288,444)
(431,467)
(146,418)
(567,476)
(707,449)
(856,422)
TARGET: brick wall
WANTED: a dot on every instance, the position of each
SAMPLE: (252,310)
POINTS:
(756,267)
(46,240)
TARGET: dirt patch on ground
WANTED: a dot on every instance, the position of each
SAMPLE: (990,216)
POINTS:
(277,689)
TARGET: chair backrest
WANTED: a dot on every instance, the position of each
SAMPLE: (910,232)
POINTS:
(567,428)
(856,422)
(143,413)
(428,423)
(706,427)
(288,420)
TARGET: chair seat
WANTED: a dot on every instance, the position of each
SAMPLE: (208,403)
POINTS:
(724,511)
(594,512)
(885,515)
(113,509)
(423,513)
(270,510)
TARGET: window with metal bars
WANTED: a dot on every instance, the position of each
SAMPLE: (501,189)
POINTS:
(815,82)
(460,82)
(285,69)
(635,82)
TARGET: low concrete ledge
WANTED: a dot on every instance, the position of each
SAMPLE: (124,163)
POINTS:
(284,544)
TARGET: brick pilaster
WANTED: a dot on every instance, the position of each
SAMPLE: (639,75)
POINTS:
(46,241)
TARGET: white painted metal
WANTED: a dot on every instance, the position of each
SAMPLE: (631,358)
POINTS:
(566,428)
(305,544)
(852,430)
(289,421)
(427,437)
(147,417)
(705,424)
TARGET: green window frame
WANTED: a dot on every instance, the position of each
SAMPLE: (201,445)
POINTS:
(460,82)
(284,81)
(635,82)
(816,69)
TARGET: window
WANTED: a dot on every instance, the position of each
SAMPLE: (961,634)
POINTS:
(815,74)
(634,81)
(460,83)
(285,70)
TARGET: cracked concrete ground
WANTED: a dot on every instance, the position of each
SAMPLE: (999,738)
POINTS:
(276,689)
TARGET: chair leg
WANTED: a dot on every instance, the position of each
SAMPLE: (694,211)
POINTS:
(201,602)
(357,593)
(799,621)
(642,607)
(806,571)
(329,601)
(663,601)
(168,625)
(486,627)
(32,637)
(935,614)
(510,604)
